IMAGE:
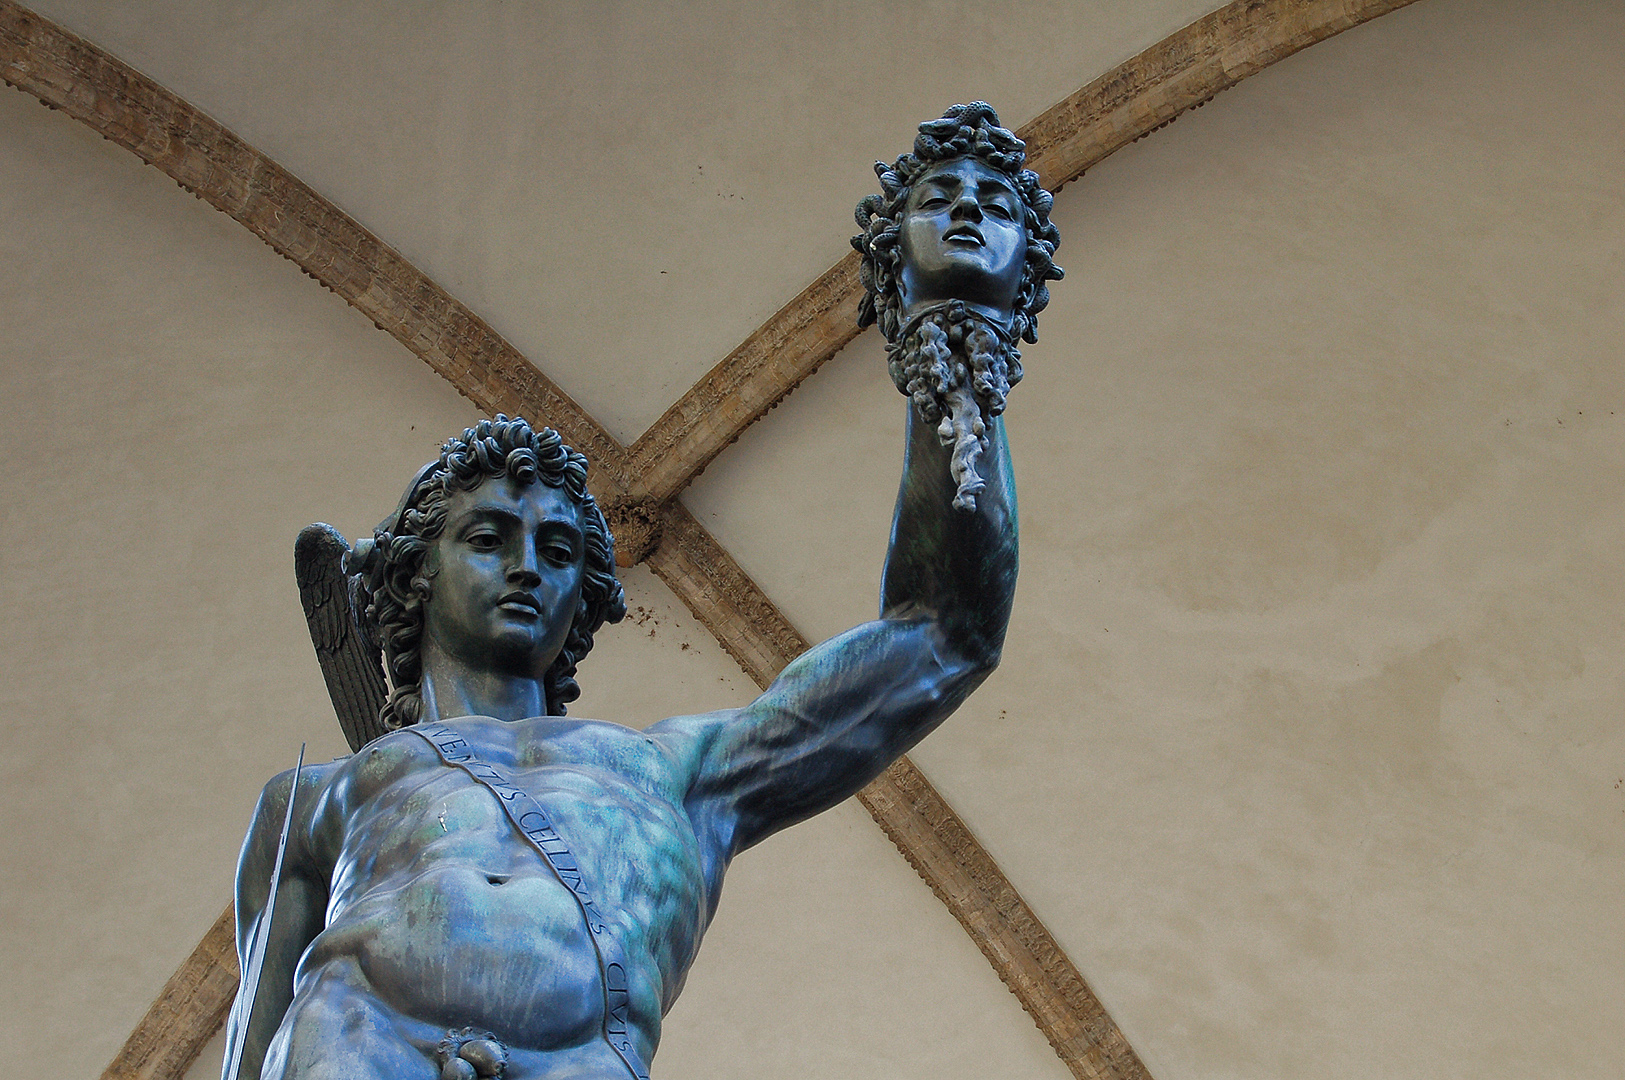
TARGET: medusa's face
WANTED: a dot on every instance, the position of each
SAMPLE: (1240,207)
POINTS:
(507,576)
(963,237)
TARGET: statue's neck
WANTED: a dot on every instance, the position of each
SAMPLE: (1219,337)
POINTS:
(450,688)
(913,310)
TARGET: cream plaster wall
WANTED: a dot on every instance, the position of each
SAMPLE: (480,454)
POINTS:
(1307,745)
(177,402)
(1308,740)
(625,190)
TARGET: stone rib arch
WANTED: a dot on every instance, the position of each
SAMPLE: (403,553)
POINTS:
(1137,97)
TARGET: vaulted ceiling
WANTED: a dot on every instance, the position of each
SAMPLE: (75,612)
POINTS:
(1306,750)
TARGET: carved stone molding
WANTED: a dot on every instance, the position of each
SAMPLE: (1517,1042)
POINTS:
(933,838)
(637,524)
(1133,99)
(748,382)
(944,852)
(1180,72)
(187,1012)
(203,156)
(724,598)
(640,484)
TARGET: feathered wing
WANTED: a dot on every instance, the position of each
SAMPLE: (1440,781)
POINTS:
(351,663)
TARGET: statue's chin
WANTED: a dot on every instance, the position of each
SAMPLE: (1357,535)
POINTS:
(960,274)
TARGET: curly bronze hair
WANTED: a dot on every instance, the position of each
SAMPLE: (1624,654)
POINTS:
(965,131)
(395,586)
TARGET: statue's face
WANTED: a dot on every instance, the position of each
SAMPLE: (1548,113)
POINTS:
(507,576)
(963,237)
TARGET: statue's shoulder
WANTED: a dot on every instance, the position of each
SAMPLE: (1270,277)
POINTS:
(636,755)
(313,776)
(569,736)
(313,803)
(347,783)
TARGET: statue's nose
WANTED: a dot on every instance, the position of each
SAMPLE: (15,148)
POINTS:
(967,208)
(523,572)
(525,577)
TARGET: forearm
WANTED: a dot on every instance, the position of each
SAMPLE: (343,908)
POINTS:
(843,711)
(955,567)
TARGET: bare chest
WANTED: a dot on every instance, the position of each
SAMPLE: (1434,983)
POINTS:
(525,843)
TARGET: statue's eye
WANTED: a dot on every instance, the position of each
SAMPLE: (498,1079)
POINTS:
(934,202)
(999,210)
(484,541)
(560,554)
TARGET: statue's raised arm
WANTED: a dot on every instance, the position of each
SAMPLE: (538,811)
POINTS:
(957,250)
(488,888)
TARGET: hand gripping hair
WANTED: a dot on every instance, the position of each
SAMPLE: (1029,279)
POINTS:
(956,364)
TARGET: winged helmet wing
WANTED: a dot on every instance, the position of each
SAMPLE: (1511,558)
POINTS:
(352,664)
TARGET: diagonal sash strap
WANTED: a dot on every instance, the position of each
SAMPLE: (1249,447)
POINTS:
(535,824)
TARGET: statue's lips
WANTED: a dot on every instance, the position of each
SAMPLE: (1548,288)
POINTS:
(965,234)
(520,603)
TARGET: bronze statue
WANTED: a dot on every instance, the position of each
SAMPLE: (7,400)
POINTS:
(487,888)
(957,253)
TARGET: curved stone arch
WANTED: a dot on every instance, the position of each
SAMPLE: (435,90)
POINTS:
(1139,96)
(1149,91)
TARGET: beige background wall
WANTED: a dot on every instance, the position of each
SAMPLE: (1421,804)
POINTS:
(178,402)
(1307,745)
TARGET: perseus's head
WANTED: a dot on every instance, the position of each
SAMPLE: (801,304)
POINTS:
(497,548)
(959,218)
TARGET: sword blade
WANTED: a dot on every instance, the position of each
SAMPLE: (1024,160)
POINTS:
(249,991)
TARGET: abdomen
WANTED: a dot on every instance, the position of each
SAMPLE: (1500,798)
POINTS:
(457,945)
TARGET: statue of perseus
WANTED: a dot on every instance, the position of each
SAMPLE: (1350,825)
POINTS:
(487,888)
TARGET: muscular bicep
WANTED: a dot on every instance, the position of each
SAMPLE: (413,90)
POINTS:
(830,723)
(296,918)
(259,855)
